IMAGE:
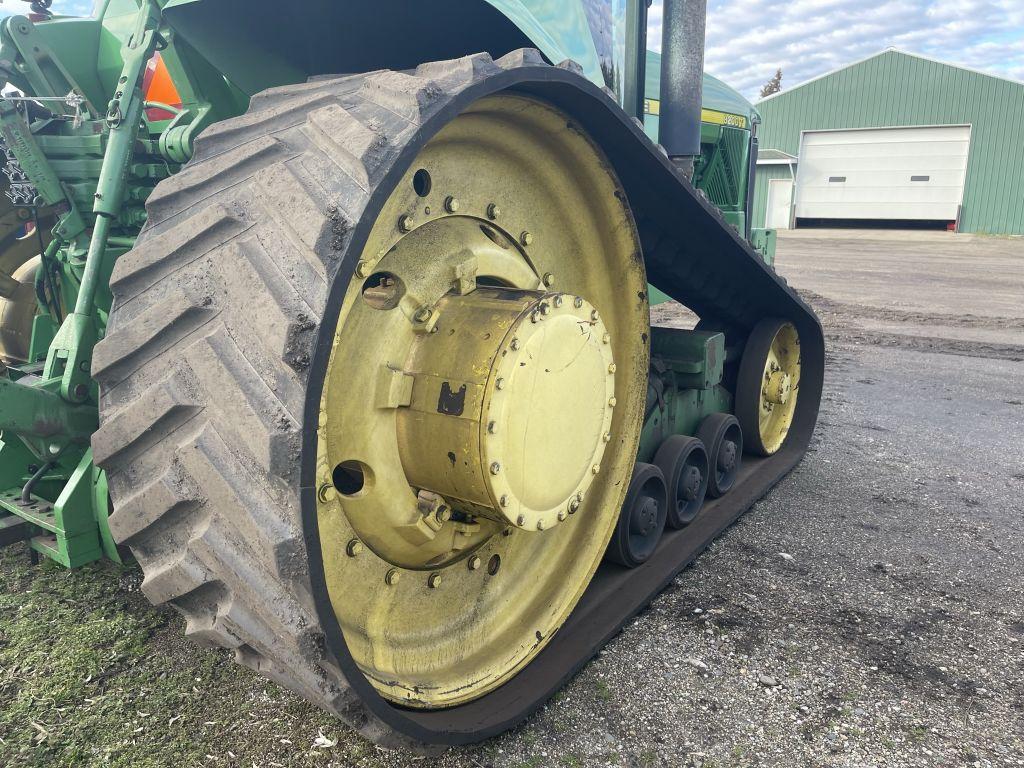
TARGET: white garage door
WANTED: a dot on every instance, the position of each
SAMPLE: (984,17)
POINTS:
(884,173)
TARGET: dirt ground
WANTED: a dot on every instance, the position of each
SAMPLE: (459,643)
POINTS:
(868,612)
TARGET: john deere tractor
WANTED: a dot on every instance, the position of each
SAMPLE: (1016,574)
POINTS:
(336,319)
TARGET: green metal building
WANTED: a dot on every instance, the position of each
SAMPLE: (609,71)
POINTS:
(895,138)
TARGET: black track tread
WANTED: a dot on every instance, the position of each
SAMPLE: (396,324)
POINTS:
(203,372)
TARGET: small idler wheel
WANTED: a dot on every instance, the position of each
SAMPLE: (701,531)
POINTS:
(642,518)
(683,460)
(767,385)
(721,434)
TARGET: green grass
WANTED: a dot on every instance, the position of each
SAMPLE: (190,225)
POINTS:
(92,675)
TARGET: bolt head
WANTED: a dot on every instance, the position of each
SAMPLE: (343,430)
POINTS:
(606,338)
(451,204)
(492,427)
(595,316)
(611,402)
(545,309)
(503,501)
(612,368)
(562,514)
(363,269)
(521,520)
(326,493)
(526,238)
(515,345)
(549,279)
(493,211)
(540,525)
(354,547)
(577,302)
(443,514)
(434,580)
(607,437)
(422,314)
(499,384)
(596,469)
(495,467)
(392,577)
(573,506)
(474,563)
(406,222)
(559,301)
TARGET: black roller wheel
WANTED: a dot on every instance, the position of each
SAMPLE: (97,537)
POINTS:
(721,434)
(683,461)
(642,518)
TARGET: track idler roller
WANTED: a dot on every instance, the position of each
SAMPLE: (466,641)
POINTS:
(722,435)
(767,385)
(683,461)
(642,519)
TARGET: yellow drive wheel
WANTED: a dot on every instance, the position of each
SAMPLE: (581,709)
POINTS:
(767,385)
(482,404)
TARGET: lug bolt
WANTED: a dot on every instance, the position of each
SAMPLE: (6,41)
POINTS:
(474,563)
(526,238)
(559,300)
(549,279)
(434,580)
(521,520)
(392,577)
(325,493)
(354,548)
(577,302)
(545,309)
(612,368)
(503,501)
(451,204)
(573,506)
(493,211)
(495,468)
(406,222)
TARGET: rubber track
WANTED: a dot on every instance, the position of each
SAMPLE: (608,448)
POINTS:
(207,399)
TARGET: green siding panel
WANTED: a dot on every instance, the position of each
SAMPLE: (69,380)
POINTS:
(897,89)
(765,173)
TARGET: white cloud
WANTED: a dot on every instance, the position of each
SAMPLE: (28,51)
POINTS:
(747,40)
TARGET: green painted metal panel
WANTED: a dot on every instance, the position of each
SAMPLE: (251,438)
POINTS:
(897,89)
(716,95)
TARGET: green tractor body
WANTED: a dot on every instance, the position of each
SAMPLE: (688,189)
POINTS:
(104,113)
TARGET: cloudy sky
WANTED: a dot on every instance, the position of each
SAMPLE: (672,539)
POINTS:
(748,40)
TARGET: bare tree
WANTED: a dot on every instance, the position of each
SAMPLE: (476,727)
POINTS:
(774,85)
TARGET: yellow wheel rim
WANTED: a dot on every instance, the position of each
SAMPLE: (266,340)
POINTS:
(482,404)
(780,384)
